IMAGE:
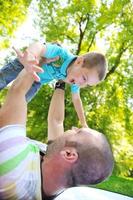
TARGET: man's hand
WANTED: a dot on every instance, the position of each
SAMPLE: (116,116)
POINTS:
(31,63)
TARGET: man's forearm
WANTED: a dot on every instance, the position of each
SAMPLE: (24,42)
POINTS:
(23,82)
(14,110)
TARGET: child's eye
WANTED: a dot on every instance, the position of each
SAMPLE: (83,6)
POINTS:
(84,78)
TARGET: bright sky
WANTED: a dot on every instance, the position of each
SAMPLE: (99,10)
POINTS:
(27,33)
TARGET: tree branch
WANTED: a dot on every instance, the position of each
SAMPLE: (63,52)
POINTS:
(117,61)
(82,32)
(91,42)
(93,37)
(70,38)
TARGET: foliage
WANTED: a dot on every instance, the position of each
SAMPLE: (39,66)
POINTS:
(12,14)
(2,96)
(37,114)
(108,106)
(118,184)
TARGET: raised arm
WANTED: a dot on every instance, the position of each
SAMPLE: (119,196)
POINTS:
(14,110)
(33,58)
(56,115)
(79,109)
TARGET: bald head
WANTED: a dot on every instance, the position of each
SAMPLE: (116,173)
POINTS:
(95,159)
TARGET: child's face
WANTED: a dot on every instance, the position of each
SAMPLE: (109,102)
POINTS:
(82,76)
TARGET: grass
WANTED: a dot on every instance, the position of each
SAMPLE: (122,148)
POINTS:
(118,184)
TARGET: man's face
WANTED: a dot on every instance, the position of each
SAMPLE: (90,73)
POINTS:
(82,76)
(75,132)
(82,134)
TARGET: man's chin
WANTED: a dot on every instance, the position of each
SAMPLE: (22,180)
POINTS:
(45,197)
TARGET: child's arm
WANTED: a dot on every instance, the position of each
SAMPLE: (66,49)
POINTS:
(79,108)
(36,49)
(31,58)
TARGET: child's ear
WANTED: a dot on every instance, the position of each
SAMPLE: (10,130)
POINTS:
(79,60)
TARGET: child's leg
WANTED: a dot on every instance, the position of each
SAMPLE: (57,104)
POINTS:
(33,91)
(9,72)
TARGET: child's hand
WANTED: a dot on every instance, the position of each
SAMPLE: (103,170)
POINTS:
(30,63)
(85,125)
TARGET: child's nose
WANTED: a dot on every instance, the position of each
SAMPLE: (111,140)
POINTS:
(81,81)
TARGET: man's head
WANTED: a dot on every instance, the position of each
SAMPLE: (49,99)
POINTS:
(82,157)
(88,69)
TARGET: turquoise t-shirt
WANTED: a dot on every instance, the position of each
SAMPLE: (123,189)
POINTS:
(57,70)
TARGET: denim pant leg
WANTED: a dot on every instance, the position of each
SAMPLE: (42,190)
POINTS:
(9,72)
(33,91)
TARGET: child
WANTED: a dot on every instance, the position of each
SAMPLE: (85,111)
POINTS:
(60,64)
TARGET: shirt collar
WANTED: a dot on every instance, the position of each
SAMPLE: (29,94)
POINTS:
(65,65)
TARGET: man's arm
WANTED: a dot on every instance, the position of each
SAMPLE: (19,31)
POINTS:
(79,108)
(56,115)
(14,110)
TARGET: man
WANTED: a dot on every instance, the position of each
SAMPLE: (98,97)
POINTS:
(79,157)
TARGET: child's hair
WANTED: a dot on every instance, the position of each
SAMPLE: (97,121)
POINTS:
(96,60)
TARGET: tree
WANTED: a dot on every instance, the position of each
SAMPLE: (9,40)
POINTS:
(79,24)
(109,105)
(12,14)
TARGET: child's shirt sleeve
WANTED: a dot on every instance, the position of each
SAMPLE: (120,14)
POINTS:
(75,88)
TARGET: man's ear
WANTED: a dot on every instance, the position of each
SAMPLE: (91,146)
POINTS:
(79,60)
(69,154)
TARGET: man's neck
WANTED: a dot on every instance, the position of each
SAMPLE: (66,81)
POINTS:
(52,179)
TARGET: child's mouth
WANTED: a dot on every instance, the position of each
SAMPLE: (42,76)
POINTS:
(72,81)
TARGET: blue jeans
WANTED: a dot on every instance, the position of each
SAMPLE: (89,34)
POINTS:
(10,71)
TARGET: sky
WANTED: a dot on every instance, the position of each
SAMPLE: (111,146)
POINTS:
(27,33)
